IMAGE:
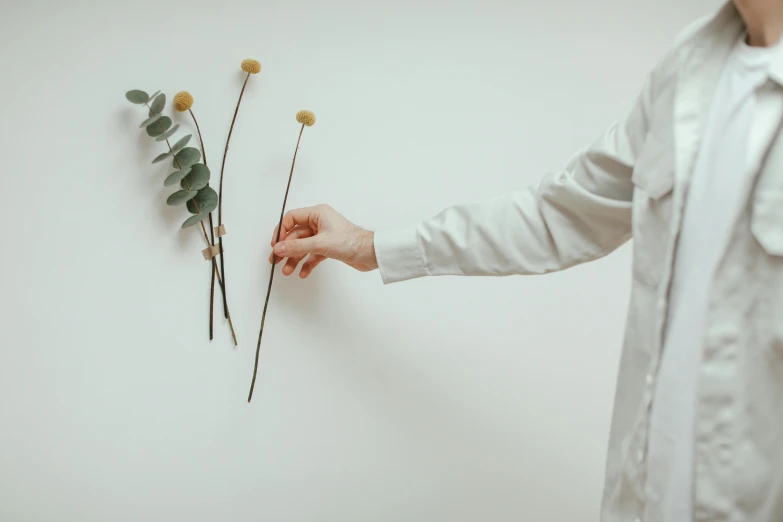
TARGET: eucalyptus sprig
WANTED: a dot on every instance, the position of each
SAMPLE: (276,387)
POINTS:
(193,177)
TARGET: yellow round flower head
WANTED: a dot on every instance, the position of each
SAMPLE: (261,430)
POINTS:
(305,118)
(183,101)
(251,66)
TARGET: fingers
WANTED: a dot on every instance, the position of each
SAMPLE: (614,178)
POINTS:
(298,233)
(298,247)
(313,261)
(291,265)
(283,234)
(292,262)
(301,216)
(297,236)
(275,238)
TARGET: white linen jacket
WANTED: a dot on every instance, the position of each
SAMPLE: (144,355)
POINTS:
(632,182)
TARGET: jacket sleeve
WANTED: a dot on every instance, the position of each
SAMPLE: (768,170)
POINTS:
(573,216)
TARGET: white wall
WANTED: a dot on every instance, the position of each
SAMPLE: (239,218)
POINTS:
(436,400)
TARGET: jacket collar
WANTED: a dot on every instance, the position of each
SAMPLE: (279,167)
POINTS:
(726,23)
(703,57)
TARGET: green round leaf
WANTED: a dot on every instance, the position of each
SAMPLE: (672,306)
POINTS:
(138,97)
(176,176)
(207,201)
(181,143)
(186,157)
(180,197)
(158,102)
(193,220)
(149,121)
(152,96)
(197,179)
(166,135)
(161,157)
(159,127)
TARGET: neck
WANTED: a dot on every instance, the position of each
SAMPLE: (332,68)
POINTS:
(764,36)
(763,19)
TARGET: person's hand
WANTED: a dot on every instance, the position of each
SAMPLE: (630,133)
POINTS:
(320,233)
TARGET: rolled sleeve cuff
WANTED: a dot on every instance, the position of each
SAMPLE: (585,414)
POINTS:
(399,256)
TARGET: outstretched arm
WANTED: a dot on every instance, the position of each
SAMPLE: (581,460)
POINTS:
(576,215)
(573,216)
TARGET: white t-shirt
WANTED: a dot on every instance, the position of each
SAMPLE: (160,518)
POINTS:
(712,204)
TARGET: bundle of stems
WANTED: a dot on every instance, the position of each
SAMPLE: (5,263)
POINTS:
(192,176)
(200,198)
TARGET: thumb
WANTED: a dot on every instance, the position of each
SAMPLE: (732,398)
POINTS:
(297,247)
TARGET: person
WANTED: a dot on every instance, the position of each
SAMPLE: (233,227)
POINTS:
(694,174)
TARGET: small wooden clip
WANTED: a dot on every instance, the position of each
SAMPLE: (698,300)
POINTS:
(210,252)
(220,231)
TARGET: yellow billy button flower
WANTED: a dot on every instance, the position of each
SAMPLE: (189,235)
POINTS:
(183,101)
(251,66)
(305,118)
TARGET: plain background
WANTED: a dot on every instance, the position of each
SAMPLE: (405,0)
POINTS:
(435,400)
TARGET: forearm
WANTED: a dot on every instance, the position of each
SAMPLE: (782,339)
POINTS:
(529,232)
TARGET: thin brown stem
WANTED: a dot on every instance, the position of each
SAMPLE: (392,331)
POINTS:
(230,323)
(274,263)
(225,152)
(220,192)
(200,138)
(211,240)
(212,279)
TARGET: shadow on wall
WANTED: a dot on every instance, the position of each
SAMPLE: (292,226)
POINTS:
(364,352)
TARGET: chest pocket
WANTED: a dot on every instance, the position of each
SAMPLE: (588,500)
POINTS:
(653,180)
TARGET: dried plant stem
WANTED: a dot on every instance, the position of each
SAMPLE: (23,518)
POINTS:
(212,278)
(274,263)
(203,228)
(211,241)
(228,314)
(220,192)
(200,138)
(217,274)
